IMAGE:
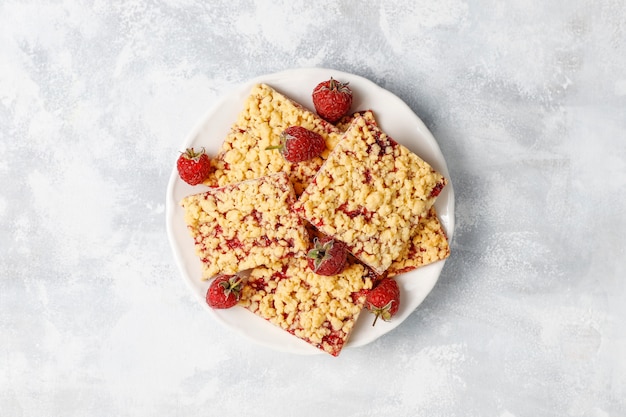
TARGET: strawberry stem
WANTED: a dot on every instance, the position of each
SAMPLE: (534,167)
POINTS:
(191,153)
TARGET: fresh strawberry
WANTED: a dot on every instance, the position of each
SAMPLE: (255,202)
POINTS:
(224,291)
(328,256)
(193,166)
(298,144)
(384,299)
(332,99)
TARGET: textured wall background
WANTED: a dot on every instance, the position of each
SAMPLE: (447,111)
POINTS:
(527,100)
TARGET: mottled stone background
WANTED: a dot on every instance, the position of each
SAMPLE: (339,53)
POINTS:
(527,100)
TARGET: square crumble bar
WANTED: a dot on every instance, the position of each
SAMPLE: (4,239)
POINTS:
(266,114)
(428,244)
(370,193)
(244,225)
(317,309)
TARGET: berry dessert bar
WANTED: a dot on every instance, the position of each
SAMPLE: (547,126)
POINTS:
(370,193)
(243,225)
(428,244)
(317,309)
(266,114)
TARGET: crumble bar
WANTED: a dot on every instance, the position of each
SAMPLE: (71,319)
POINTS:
(317,309)
(428,244)
(244,225)
(266,114)
(370,193)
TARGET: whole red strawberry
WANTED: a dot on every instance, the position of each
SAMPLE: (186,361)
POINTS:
(384,299)
(193,166)
(332,99)
(328,256)
(298,144)
(224,291)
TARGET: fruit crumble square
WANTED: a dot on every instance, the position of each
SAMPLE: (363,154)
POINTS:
(428,244)
(244,225)
(318,309)
(370,193)
(266,114)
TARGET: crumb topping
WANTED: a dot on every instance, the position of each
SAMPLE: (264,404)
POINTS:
(244,225)
(428,244)
(318,309)
(266,114)
(370,194)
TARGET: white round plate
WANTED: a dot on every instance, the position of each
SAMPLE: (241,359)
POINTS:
(392,115)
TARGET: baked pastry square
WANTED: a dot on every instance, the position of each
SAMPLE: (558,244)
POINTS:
(428,244)
(318,309)
(244,225)
(266,114)
(370,193)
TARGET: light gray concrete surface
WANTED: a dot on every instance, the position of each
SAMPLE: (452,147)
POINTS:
(527,100)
